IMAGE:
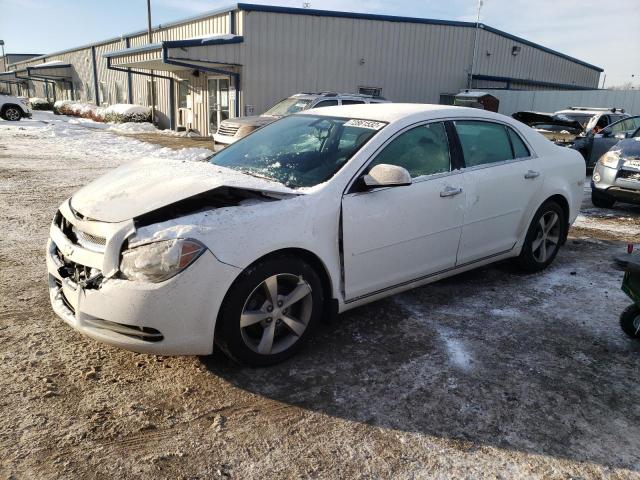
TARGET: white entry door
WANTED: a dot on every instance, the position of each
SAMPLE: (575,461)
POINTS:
(396,235)
(218,89)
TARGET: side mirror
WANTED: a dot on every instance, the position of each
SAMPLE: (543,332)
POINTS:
(384,175)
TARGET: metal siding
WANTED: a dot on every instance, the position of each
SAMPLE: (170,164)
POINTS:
(530,63)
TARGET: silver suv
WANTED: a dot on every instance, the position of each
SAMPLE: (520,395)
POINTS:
(234,129)
(616,176)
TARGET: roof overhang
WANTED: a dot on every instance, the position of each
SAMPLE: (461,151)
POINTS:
(11,77)
(180,55)
(51,71)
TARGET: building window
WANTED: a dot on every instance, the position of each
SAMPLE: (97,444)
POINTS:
(373,91)
(183,93)
(155,88)
(119,92)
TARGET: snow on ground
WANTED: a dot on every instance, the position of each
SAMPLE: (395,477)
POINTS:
(491,373)
(78,136)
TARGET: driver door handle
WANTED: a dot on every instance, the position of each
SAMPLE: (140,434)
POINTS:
(450,192)
(531,174)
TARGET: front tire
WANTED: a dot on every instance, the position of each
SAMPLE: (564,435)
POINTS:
(630,321)
(270,311)
(12,114)
(546,233)
(600,200)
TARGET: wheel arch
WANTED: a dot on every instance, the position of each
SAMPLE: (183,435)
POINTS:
(320,267)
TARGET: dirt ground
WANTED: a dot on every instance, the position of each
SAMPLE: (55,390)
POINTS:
(490,374)
(173,141)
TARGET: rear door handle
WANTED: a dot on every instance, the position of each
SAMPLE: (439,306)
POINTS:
(531,174)
(450,192)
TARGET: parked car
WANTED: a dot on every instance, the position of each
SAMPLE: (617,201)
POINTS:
(592,118)
(616,176)
(559,129)
(593,145)
(234,129)
(314,214)
(14,108)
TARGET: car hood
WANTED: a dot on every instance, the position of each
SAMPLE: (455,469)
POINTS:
(145,186)
(253,121)
(628,149)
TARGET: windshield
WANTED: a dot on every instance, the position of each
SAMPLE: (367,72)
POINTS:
(581,118)
(300,150)
(288,106)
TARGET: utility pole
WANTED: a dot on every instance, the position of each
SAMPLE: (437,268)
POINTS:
(475,45)
(153,83)
(4,58)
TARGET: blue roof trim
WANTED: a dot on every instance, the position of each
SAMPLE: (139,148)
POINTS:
(524,81)
(200,42)
(193,42)
(393,18)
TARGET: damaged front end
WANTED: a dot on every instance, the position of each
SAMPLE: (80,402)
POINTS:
(108,288)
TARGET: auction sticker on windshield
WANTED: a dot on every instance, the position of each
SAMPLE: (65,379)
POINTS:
(365,124)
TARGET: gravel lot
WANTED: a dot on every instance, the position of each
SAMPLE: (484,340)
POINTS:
(489,374)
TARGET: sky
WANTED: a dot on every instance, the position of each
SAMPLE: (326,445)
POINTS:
(605,34)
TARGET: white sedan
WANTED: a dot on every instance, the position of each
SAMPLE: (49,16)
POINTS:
(310,216)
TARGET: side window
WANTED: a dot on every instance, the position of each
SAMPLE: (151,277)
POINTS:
(423,150)
(619,127)
(483,142)
(325,103)
(352,102)
(520,150)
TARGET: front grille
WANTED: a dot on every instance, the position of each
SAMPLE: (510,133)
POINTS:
(228,130)
(629,175)
(88,241)
(77,273)
(78,237)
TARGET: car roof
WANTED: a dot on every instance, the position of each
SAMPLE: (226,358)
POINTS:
(390,112)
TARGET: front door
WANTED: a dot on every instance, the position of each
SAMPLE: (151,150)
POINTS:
(395,235)
(218,102)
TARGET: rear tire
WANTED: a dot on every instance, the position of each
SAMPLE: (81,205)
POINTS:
(600,200)
(546,233)
(630,321)
(258,330)
(11,114)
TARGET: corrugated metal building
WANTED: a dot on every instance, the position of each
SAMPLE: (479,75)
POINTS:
(244,58)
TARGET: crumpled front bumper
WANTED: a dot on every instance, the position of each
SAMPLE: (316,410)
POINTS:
(174,317)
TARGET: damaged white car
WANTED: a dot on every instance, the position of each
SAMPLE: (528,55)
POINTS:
(307,217)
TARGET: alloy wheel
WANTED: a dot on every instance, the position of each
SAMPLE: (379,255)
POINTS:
(12,114)
(547,238)
(276,314)
(636,324)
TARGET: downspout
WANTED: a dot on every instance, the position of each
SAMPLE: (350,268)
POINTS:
(95,76)
(127,44)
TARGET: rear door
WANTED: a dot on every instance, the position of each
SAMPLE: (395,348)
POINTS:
(502,179)
(397,235)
